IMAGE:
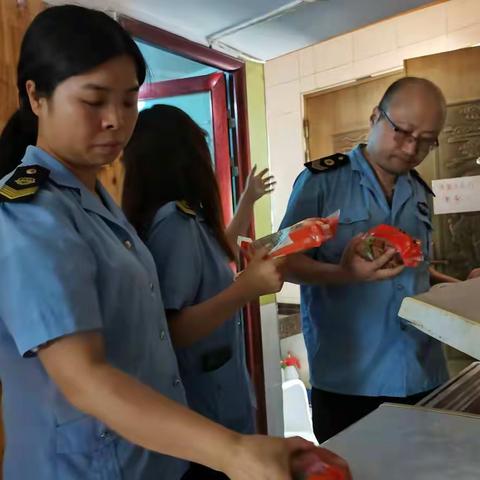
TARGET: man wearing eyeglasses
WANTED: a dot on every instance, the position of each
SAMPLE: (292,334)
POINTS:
(360,352)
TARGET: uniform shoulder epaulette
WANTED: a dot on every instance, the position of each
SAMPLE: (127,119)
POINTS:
(184,207)
(421,181)
(23,183)
(325,164)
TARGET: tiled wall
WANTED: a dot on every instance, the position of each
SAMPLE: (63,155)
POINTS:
(375,49)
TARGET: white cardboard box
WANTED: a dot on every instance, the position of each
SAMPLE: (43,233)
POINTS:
(449,312)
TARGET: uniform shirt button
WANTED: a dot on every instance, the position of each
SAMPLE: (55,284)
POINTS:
(177,382)
(239,323)
(104,435)
(163,335)
(152,287)
(399,286)
(128,244)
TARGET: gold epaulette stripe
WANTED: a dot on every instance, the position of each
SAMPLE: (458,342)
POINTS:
(185,208)
(12,194)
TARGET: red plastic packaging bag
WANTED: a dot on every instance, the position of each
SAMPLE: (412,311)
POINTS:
(378,239)
(320,464)
(304,235)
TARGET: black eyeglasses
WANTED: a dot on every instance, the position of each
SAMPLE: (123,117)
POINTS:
(401,136)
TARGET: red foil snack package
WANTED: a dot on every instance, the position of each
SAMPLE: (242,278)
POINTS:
(378,239)
(304,235)
(319,464)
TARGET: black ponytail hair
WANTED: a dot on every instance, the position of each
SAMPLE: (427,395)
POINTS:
(167,159)
(61,42)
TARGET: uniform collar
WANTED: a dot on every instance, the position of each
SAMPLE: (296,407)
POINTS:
(360,163)
(62,176)
(59,173)
(403,187)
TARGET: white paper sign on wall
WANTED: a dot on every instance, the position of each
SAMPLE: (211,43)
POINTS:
(456,195)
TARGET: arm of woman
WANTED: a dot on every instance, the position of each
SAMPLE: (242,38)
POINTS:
(192,323)
(179,247)
(256,187)
(78,366)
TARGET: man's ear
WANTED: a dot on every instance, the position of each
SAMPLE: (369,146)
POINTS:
(375,116)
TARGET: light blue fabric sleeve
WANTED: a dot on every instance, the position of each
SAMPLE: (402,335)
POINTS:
(49,287)
(174,244)
(305,199)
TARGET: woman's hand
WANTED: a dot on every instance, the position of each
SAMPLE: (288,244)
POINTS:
(267,458)
(262,276)
(258,185)
(259,457)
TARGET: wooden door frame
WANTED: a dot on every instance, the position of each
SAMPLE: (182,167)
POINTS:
(237,88)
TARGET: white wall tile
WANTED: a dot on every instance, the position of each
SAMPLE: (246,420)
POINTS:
(428,47)
(377,64)
(283,98)
(306,62)
(334,76)
(465,37)
(282,69)
(374,40)
(462,13)
(421,25)
(333,53)
(286,153)
(307,84)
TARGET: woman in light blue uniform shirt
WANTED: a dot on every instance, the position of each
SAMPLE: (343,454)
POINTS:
(91,388)
(172,198)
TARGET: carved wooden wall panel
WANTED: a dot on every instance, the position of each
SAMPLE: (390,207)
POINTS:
(458,235)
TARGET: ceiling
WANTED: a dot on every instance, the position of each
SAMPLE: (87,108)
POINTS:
(163,65)
(303,23)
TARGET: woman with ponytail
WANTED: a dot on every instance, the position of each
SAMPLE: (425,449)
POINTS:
(91,387)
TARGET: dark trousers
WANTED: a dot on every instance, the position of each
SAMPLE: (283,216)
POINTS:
(199,472)
(333,412)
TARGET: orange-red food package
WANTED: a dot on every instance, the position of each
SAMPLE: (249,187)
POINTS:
(319,464)
(378,239)
(304,235)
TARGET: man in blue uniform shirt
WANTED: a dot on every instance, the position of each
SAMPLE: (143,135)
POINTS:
(361,353)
